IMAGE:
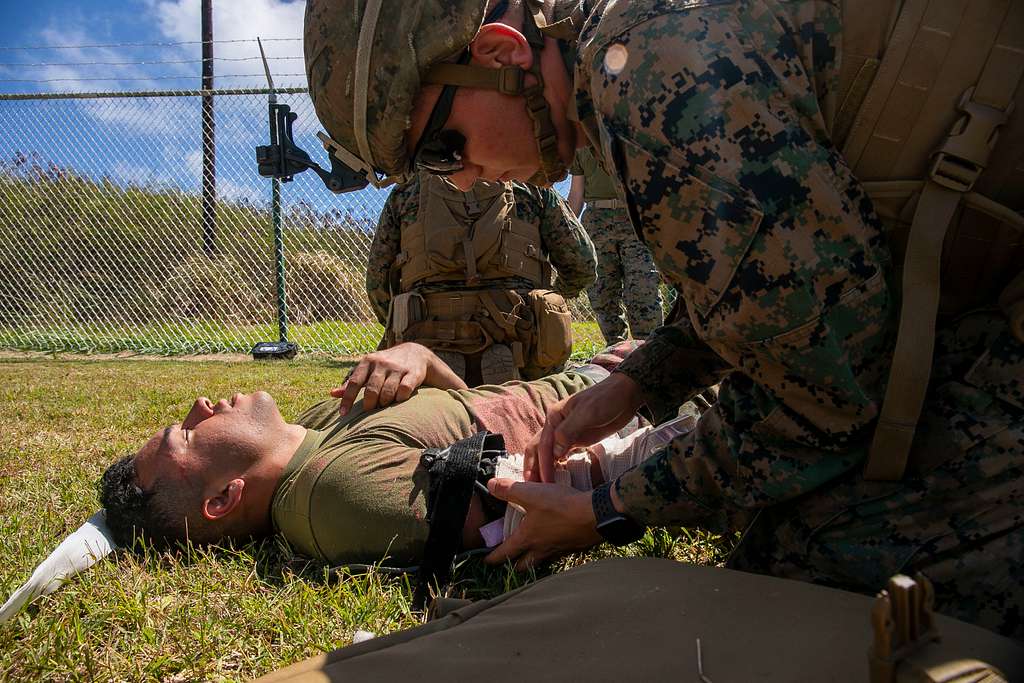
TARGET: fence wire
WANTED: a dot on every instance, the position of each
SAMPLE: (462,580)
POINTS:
(101,234)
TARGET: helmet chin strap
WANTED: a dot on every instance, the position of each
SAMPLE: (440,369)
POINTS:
(511,80)
(552,169)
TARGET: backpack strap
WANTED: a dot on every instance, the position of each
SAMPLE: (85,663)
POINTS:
(955,168)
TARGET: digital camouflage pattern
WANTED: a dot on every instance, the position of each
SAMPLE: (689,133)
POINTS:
(563,240)
(626,275)
(715,116)
(956,516)
(405,44)
(625,270)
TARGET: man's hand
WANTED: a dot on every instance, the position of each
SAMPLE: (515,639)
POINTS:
(581,420)
(558,520)
(390,376)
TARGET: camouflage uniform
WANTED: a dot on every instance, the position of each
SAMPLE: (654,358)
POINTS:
(715,117)
(625,269)
(563,241)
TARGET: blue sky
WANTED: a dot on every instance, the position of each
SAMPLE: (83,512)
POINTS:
(89,45)
(91,22)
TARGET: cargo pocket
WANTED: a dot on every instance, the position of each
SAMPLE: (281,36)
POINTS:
(697,225)
(991,398)
(553,331)
(817,400)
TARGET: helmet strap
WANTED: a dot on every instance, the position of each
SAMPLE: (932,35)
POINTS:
(510,80)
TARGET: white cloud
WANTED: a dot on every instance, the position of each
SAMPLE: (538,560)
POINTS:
(95,62)
(136,173)
(194,162)
(151,117)
(241,20)
(232,191)
(180,21)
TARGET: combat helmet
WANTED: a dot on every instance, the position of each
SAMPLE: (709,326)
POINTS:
(366,60)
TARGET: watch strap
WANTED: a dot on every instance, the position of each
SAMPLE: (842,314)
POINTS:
(601,500)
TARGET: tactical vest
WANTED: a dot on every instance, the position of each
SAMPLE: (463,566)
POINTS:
(926,119)
(470,237)
(459,243)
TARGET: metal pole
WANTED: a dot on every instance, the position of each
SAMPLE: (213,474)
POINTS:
(275,202)
(282,305)
(209,141)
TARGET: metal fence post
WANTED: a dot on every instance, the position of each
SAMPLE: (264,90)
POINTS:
(209,139)
(275,212)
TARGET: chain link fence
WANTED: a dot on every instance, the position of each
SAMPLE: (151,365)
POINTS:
(101,234)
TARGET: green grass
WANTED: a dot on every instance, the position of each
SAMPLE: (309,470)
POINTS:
(215,614)
(332,338)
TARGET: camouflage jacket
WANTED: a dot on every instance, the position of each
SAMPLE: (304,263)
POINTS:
(563,239)
(715,116)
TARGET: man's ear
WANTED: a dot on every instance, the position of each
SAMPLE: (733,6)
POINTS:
(498,45)
(225,502)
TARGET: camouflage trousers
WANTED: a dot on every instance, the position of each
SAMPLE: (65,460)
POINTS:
(626,274)
(958,514)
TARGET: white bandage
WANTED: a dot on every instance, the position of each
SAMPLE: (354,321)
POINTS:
(617,454)
(76,553)
(575,473)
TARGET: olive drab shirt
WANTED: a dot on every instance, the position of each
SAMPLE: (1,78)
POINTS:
(354,492)
(567,246)
(597,184)
(715,116)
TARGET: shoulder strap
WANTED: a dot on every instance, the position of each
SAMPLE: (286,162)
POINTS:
(955,168)
(867,25)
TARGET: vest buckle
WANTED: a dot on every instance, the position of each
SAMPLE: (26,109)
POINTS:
(963,156)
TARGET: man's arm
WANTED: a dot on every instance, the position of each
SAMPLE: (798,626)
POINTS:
(567,245)
(671,367)
(576,194)
(772,243)
(386,246)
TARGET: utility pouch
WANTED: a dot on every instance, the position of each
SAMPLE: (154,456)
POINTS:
(552,334)
(406,309)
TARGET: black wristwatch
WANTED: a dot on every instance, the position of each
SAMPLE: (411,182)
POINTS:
(615,527)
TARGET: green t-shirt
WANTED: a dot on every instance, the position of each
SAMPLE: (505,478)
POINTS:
(596,183)
(354,492)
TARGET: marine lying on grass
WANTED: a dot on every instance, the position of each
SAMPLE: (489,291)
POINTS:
(344,482)
(341,488)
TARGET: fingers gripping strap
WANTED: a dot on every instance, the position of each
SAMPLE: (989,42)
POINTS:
(453,471)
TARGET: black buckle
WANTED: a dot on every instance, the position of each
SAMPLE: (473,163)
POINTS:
(283,159)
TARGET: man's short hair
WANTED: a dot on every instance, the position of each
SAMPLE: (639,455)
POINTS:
(160,515)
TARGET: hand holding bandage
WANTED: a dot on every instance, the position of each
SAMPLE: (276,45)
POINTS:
(581,420)
(558,520)
(547,520)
